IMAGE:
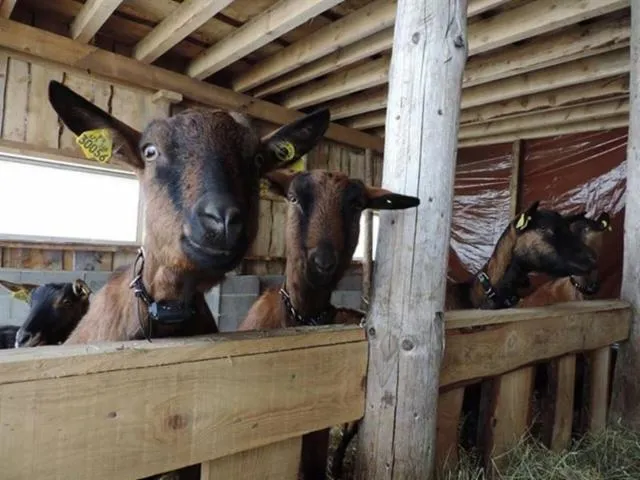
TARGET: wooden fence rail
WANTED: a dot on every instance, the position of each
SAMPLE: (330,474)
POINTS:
(239,402)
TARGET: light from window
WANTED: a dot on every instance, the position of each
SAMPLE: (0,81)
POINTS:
(359,253)
(37,200)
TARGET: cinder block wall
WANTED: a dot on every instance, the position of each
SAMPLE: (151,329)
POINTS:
(229,301)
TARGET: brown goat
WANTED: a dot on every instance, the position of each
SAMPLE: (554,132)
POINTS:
(535,241)
(55,310)
(574,287)
(323,226)
(199,171)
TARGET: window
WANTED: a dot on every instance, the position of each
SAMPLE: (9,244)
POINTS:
(359,253)
(47,201)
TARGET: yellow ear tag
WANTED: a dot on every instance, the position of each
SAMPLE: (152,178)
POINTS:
(96,144)
(523,221)
(285,151)
(606,225)
(21,294)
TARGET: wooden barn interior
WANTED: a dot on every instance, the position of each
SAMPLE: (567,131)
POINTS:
(544,115)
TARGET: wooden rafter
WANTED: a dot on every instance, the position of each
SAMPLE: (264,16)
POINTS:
(595,111)
(365,76)
(543,16)
(552,51)
(367,101)
(348,55)
(362,23)
(91,17)
(61,50)
(550,131)
(187,18)
(617,87)
(272,23)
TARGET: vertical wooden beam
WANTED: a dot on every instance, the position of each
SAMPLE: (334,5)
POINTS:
(625,404)
(405,321)
(276,461)
(563,378)
(514,182)
(367,260)
(448,437)
(511,412)
(599,368)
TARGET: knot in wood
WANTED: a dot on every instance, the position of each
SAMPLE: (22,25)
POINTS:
(407,344)
(177,422)
(415,38)
(371,331)
(458,42)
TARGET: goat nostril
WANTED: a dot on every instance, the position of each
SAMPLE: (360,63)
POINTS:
(324,263)
(232,217)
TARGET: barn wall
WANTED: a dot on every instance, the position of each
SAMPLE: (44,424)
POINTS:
(569,173)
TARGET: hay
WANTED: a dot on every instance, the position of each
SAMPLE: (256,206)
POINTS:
(613,454)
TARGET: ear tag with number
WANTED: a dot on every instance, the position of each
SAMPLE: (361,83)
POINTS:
(285,151)
(21,294)
(523,221)
(96,144)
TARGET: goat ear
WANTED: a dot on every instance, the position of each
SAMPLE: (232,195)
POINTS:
(382,199)
(522,221)
(100,136)
(604,221)
(279,181)
(292,141)
(81,289)
(19,291)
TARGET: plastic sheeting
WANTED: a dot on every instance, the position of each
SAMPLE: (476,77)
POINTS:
(568,174)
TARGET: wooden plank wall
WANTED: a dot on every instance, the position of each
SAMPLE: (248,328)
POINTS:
(26,118)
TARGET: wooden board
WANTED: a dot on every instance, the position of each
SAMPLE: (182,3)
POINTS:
(15,111)
(42,119)
(509,416)
(506,347)
(599,368)
(277,461)
(448,427)
(134,422)
(564,378)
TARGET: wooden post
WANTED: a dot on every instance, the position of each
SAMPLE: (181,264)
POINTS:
(625,404)
(367,260)
(405,321)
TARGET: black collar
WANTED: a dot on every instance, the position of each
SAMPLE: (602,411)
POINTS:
(325,317)
(163,313)
(591,288)
(500,301)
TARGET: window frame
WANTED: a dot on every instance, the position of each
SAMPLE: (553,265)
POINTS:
(73,164)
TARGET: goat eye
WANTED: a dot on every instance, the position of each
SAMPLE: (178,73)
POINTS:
(293,200)
(259,159)
(150,152)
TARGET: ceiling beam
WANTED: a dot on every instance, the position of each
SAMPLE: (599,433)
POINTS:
(559,98)
(277,20)
(6,7)
(511,94)
(348,55)
(185,20)
(80,57)
(368,120)
(531,19)
(576,72)
(366,21)
(577,42)
(573,43)
(363,102)
(367,75)
(595,111)
(91,17)
(545,131)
